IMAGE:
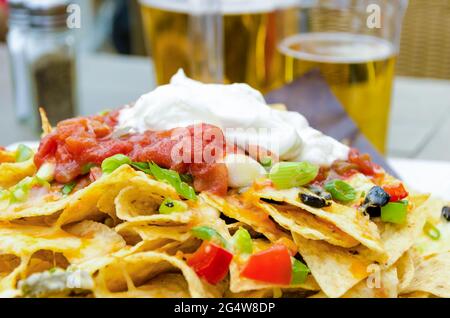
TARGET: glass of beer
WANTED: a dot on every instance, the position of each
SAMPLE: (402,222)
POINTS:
(354,44)
(218,40)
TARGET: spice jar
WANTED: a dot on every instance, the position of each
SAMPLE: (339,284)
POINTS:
(16,40)
(50,51)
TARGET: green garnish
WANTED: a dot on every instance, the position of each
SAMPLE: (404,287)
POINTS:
(299,272)
(169,206)
(207,233)
(431,231)
(395,212)
(341,191)
(19,192)
(285,175)
(68,188)
(112,163)
(186,178)
(266,162)
(173,178)
(23,153)
(87,168)
(143,166)
(46,172)
(242,241)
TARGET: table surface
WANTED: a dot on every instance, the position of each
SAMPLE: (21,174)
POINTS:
(419,126)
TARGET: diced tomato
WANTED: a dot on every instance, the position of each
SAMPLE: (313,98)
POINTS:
(271,266)
(211,262)
(396,191)
(364,163)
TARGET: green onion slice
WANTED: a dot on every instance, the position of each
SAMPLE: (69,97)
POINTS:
(68,188)
(173,178)
(46,172)
(341,191)
(23,153)
(169,206)
(242,241)
(395,212)
(299,272)
(285,175)
(266,162)
(112,163)
(431,231)
(207,233)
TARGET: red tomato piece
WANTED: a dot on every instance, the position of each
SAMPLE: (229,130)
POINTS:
(271,266)
(363,162)
(396,190)
(211,262)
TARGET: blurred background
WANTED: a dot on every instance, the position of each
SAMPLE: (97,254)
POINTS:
(116,50)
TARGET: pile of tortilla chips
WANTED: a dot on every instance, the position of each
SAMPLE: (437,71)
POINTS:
(108,240)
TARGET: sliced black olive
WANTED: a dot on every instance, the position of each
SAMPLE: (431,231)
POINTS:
(373,211)
(377,197)
(320,192)
(446,212)
(314,201)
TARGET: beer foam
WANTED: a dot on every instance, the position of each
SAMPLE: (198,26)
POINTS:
(222,6)
(337,47)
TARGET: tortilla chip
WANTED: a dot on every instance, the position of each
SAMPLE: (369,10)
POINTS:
(258,219)
(140,203)
(335,269)
(139,269)
(83,204)
(347,219)
(307,225)
(405,270)
(431,275)
(396,238)
(13,172)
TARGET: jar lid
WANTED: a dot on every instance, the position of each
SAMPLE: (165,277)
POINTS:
(47,13)
(18,13)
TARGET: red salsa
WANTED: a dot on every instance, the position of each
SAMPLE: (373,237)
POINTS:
(80,142)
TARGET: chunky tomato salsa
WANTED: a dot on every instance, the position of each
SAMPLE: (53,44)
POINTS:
(85,141)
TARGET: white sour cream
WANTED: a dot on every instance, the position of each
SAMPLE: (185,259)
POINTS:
(240,111)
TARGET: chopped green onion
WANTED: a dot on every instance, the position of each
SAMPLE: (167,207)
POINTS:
(299,272)
(266,162)
(19,192)
(242,241)
(23,153)
(173,178)
(285,175)
(68,188)
(186,178)
(87,168)
(207,233)
(5,195)
(395,212)
(341,191)
(112,163)
(46,172)
(432,231)
(172,206)
(143,166)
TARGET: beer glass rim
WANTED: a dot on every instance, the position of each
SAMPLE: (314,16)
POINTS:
(226,6)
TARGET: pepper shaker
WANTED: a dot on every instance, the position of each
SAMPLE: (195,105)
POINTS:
(50,51)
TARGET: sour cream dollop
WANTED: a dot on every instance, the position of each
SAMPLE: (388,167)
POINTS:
(240,111)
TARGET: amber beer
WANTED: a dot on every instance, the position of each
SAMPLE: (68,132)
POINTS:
(358,68)
(249,40)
